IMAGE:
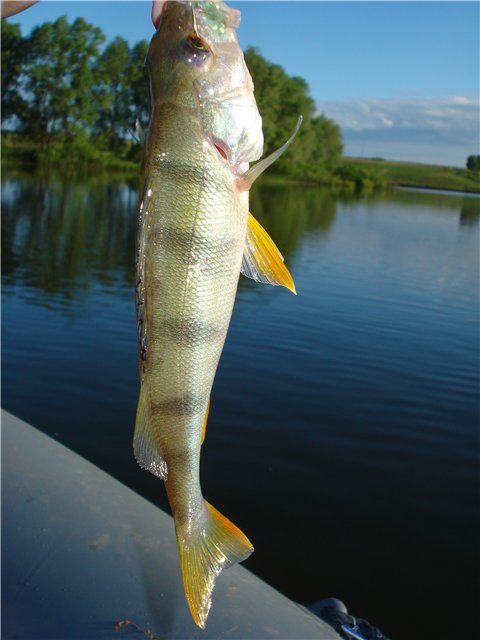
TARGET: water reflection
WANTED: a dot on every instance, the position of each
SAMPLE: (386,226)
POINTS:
(289,212)
(63,236)
(470,211)
(468,205)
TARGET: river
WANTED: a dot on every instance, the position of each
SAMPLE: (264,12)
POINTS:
(343,434)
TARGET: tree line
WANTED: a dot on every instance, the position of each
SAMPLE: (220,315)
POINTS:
(76,99)
(67,95)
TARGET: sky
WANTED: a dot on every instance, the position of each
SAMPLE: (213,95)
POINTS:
(400,78)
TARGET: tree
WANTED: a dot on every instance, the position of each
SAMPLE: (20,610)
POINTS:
(112,93)
(139,91)
(281,99)
(13,59)
(59,77)
(68,97)
(121,93)
(76,102)
(473,163)
(329,148)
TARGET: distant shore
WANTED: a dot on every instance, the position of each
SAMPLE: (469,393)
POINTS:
(353,174)
(427,176)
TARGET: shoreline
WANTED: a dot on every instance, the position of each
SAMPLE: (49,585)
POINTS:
(421,176)
(352,174)
(446,190)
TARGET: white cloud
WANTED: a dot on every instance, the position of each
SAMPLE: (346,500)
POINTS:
(442,130)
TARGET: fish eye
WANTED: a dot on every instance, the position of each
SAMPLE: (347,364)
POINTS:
(196,50)
(197,43)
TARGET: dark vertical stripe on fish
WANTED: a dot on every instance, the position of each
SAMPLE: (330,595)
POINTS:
(187,405)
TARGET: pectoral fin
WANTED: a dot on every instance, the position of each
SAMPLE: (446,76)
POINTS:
(262,261)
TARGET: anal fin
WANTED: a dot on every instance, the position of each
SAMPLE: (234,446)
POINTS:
(146,450)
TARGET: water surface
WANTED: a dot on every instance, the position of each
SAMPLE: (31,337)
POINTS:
(343,434)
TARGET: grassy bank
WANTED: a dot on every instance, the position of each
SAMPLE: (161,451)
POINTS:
(353,174)
(410,174)
(19,152)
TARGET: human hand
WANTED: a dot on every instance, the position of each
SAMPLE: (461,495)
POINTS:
(157,9)
(11,7)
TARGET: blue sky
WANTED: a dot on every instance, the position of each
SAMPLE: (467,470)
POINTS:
(401,78)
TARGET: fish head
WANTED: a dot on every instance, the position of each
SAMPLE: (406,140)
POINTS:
(195,62)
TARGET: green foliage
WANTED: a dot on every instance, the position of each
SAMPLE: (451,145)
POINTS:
(121,91)
(76,104)
(281,100)
(414,174)
(13,56)
(57,78)
(473,163)
(358,176)
(139,91)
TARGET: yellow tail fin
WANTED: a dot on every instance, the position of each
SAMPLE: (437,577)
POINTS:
(212,545)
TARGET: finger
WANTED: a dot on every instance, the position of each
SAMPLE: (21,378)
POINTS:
(11,7)
(157,9)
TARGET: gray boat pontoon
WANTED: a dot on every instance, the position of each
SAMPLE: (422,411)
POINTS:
(82,552)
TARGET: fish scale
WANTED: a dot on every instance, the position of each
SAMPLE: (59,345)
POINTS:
(195,235)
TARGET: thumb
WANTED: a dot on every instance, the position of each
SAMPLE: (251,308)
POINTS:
(12,7)
(157,9)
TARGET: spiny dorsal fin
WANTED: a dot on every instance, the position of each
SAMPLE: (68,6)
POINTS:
(262,261)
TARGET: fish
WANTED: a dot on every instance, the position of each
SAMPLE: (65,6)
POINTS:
(195,235)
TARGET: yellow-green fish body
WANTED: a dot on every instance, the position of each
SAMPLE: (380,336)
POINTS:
(191,244)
